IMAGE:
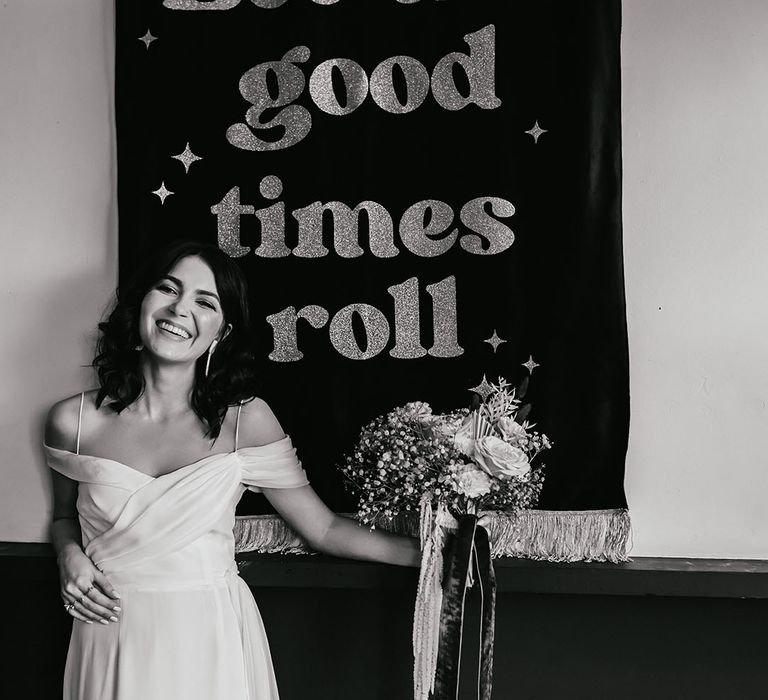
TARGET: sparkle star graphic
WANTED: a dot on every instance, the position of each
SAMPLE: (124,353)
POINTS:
(483,389)
(536,131)
(147,38)
(531,365)
(494,341)
(162,192)
(187,157)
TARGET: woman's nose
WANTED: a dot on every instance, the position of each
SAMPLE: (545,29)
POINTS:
(180,306)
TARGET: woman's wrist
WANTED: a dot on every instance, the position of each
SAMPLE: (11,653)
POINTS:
(68,549)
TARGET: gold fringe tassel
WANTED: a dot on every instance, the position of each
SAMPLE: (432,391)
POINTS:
(547,535)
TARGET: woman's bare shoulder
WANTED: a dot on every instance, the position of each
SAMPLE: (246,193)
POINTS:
(258,424)
(61,422)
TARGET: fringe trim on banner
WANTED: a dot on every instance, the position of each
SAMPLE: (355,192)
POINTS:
(266,534)
(547,535)
(561,535)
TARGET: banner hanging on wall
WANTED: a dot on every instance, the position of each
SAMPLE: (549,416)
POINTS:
(423,194)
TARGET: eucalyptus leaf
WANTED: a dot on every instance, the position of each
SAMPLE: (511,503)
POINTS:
(523,388)
(522,414)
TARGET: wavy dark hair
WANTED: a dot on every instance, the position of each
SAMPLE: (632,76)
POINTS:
(233,373)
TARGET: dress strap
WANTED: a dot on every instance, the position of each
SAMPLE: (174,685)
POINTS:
(237,423)
(79,422)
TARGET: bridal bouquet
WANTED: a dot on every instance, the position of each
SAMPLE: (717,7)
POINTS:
(463,460)
(448,466)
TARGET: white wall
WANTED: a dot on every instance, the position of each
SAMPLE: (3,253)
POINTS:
(58,237)
(696,249)
(696,242)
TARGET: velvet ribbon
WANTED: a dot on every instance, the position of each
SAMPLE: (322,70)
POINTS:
(467,561)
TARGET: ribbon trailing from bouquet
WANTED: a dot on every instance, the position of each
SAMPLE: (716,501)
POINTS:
(434,527)
(450,564)
(468,559)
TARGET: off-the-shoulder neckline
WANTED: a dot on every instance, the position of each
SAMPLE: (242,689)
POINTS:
(69,453)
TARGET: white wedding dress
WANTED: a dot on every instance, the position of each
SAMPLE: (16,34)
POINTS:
(189,627)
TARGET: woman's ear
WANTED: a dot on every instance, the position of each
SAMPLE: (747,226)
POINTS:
(225,332)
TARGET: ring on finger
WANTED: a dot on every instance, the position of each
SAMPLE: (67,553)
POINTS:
(90,588)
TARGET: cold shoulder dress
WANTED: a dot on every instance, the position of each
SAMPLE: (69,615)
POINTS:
(189,627)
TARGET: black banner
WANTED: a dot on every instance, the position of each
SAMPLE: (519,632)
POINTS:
(421,193)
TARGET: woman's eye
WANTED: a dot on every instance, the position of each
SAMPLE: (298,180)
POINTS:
(206,304)
(166,288)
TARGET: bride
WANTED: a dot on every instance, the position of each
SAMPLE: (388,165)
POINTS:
(147,471)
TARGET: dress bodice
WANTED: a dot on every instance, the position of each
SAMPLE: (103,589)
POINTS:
(176,527)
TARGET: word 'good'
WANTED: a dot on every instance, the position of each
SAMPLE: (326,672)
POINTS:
(376,327)
(425,228)
(296,120)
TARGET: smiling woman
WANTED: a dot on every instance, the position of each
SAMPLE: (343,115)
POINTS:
(148,470)
(192,288)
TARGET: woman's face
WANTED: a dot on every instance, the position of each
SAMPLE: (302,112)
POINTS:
(181,315)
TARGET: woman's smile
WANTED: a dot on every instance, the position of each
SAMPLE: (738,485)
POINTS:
(173,330)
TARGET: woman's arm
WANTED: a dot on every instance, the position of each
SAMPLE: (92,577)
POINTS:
(332,534)
(65,529)
(60,429)
(306,513)
(82,584)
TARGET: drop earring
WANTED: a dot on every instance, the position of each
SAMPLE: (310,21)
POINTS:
(210,352)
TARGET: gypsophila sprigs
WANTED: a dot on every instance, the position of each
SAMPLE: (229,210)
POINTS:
(469,461)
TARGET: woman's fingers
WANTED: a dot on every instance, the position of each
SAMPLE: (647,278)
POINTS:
(100,597)
(106,586)
(79,611)
(72,592)
(79,616)
(101,612)
(91,603)
(95,597)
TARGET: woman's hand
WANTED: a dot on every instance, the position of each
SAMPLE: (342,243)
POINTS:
(87,593)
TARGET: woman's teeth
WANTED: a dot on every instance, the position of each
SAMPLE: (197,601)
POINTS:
(174,329)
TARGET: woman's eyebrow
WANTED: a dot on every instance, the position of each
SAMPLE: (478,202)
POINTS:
(204,292)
